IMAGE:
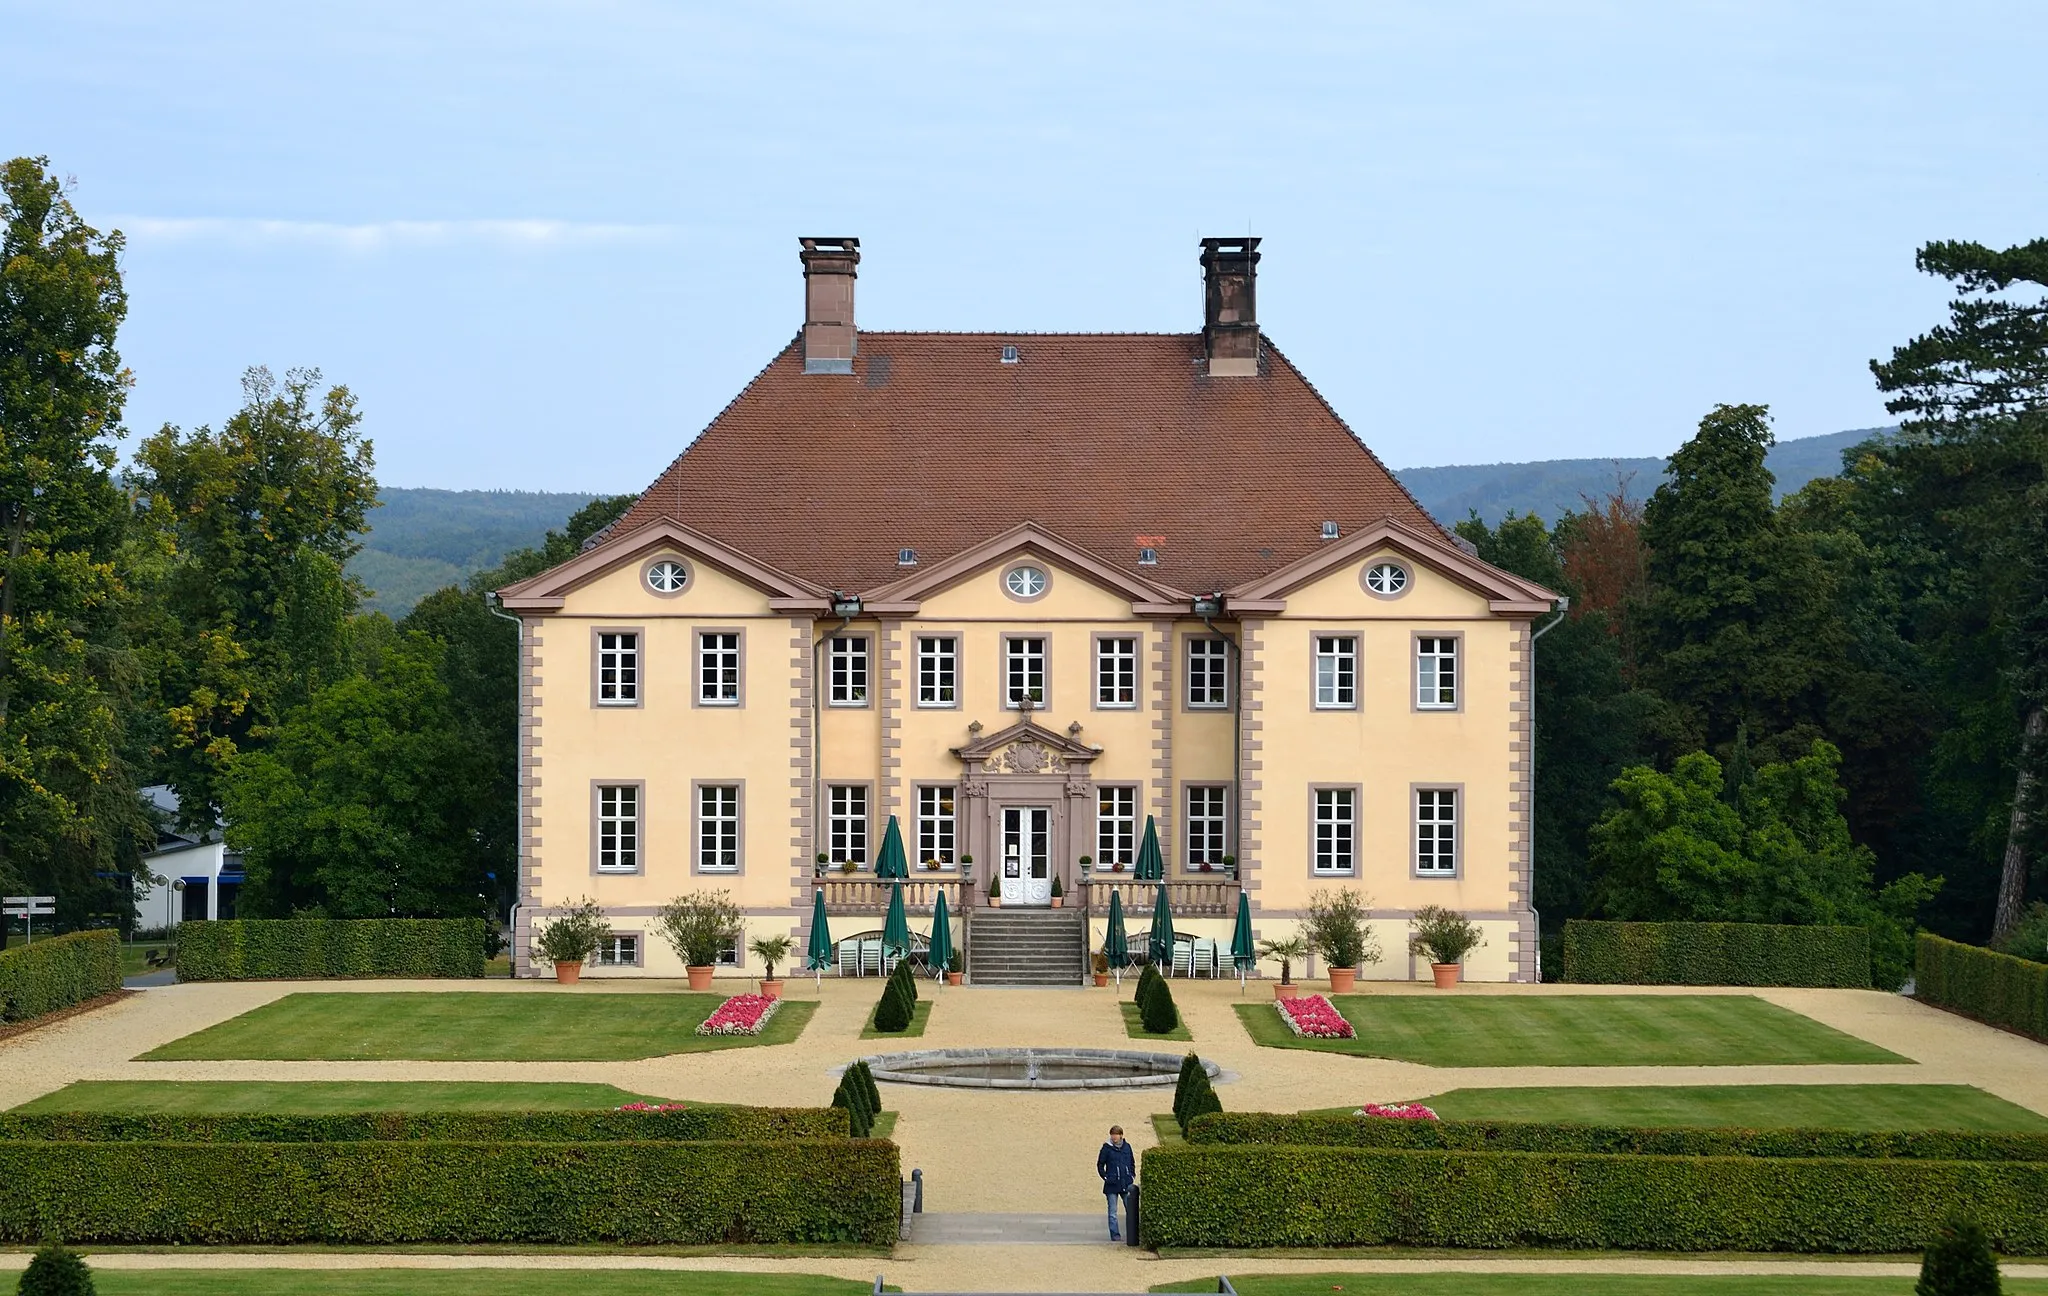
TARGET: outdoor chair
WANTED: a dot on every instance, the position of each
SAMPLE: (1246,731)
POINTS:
(849,958)
(871,957)
(1202,958)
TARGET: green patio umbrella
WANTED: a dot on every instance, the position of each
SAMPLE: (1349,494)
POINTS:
(1159,948)
(896,928)
(1151,865)
(1116,945)
(1241,952)
(819,956)
(892,862)
(940,954)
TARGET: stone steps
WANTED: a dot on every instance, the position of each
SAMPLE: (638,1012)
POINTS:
(1024,947)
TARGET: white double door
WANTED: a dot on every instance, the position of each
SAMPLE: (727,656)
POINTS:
(1026,859)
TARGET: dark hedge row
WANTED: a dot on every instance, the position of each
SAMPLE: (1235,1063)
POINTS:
(1994,988)
(57,972)
(1197,1196)
(694,1124)
(255,949)
(1264,1128)
(383,1193)
(1733,954)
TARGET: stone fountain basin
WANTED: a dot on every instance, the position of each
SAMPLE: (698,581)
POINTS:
(1032,1068)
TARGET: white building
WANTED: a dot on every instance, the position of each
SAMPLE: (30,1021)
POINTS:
(201,877)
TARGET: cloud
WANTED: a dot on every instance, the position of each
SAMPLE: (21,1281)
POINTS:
(379,236)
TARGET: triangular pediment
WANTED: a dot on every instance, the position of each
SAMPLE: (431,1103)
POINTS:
(1024,538)
(1505,592)
(1027,747)
(546,592)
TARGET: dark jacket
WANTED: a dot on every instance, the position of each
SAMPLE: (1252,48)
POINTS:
(1118,1167)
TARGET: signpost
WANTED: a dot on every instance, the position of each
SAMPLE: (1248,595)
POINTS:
(29,908)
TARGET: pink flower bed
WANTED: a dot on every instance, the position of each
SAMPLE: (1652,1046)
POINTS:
(1397,1111)
(743,1014)
(1312,1017)
(653,1107)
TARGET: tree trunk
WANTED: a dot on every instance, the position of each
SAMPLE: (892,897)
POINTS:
(2012,882)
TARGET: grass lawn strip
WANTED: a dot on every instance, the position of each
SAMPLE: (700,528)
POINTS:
(327,1097)
(549,1026)
(884,1126)
(1576,1030)
(1844,1107)
(1134,1026)
(1167,1129)
(1457,1284)
(462,1282)
(919,1015)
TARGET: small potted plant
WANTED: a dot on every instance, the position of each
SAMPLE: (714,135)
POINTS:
(1099,963)
(931,866)
(770,950)
(1230,866)
(1116,866)
(1287,951)
(1087,863)
(699,928)
(1444,937)
(1337,931)
(570,940)
(956,969)
(1207,867)
(823,860)
(995,893)
(1059,893)
(849,867)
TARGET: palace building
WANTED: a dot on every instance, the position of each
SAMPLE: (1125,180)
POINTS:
(1023,592)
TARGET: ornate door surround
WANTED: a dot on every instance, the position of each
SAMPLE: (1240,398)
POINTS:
(1027,765)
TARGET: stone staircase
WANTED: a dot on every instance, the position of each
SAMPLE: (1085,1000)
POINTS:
(1024,947)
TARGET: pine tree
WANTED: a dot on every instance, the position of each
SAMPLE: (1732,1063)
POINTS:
(1959,1262)
(56,1272)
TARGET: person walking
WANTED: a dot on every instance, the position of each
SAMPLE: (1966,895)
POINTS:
(1118,1166)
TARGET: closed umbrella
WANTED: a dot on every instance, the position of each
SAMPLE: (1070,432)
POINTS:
(820,952)
(896,928)
(1116,945)
(941,954)
(892,862)
(1160,947)
(1151,865)
(1241,952)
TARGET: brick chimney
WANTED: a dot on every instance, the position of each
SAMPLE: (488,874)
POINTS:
(830,341)
(1230,319)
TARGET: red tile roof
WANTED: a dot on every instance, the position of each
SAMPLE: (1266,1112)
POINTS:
(1111,441)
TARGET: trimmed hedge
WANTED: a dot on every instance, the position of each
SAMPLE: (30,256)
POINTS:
(1198,1196)
(57,972)
(693,1124)
(383,1193)
(256,949)
(1996,989)
(1719,954)
(1266,1128)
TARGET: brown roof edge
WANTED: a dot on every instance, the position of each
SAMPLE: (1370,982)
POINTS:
(1507,593)
(543,593)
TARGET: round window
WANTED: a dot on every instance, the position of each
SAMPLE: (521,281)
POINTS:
(1386,579)
(667,577)
(1025,582)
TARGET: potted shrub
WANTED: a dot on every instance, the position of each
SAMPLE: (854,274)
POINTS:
(1444,937)
(1087,863)
(1336,930)
(699,927)
(931,866)
(956,969)
(570,940)
(1100,965)
(848,867)
(1292,948)
(823,860)
(1058,893)
(770,950)
(995,893)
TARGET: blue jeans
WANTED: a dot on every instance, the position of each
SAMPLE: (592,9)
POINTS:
(1115,1199)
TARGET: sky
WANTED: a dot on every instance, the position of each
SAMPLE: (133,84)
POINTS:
(544,243)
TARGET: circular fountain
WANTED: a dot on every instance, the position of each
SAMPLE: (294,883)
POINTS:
(1032,1068)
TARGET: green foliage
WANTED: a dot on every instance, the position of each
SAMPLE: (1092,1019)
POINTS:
(1958,1262)
(382,1193)
(868,1087)
(699,926)
(1336,928)
(1156,1009)
(691,1124)
(852,1097)
(1292,1196)
(422,540)
(1995,988)
(295,949)
(1443,935)
(1289,950)
(57,972)
(573,935)
(894,1009)
(2029,938)
(54,1271)
(1736,954)
(1189,1066)
(1194,1095)
(902,973)
(770,950)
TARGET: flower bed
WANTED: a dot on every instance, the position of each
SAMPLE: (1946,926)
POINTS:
(743,1014)
(1397,1111)
(1313,1017)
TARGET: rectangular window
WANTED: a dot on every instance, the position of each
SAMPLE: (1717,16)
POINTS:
(848,825)
(1336,831)
(1205,827)
(1436,831)
(848,671)
(1116,672)
(1336,672)
(617,951)
(618,669)
(1024,670)
(935,826)
(618,829)
(938,670)
(1436,674)
(718,828)
(1208,673)
(718,668)
(729,953)
(1116,827)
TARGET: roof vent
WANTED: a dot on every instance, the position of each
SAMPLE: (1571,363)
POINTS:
(1148,557)
(1009,355)
(906,557)
(1329,530)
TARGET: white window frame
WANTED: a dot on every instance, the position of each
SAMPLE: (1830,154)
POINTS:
(618,668)
(1116,672)
(1116,827)
(1336,672)
(1019,658)
(1208,684)
(938,824)
(718,668)
(1438,830)
(1334,846)
(620,810)
(617,950)
(1207,830)
(848,670)
(1436,672)
(938,670)
(718,827)
(847,836)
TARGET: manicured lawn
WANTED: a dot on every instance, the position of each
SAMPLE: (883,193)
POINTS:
(327,1097)
(1134,1026)
(919,1015)
(884,1126)
(1851,1107)
(463,1282)
(135,957)
(550,1026)
(1575,1030)
(1549,1285)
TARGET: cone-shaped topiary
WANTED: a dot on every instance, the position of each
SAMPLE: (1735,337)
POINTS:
(1202,1097)
(892,1012)
(860,1118)
(1158,1013)
(869,1087)
(903,976)
(56,1272)
(1190,1067)
(1959,1262)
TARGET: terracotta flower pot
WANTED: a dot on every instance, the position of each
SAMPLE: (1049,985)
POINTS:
(769,989)
(1101,979)
(700,977)
(995,902)
(1058,901)
(955,978)
(1342,980)
(1286,990)
(568,973)
(1446,974)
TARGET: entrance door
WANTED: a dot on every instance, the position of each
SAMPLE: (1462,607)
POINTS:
(1027,855)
